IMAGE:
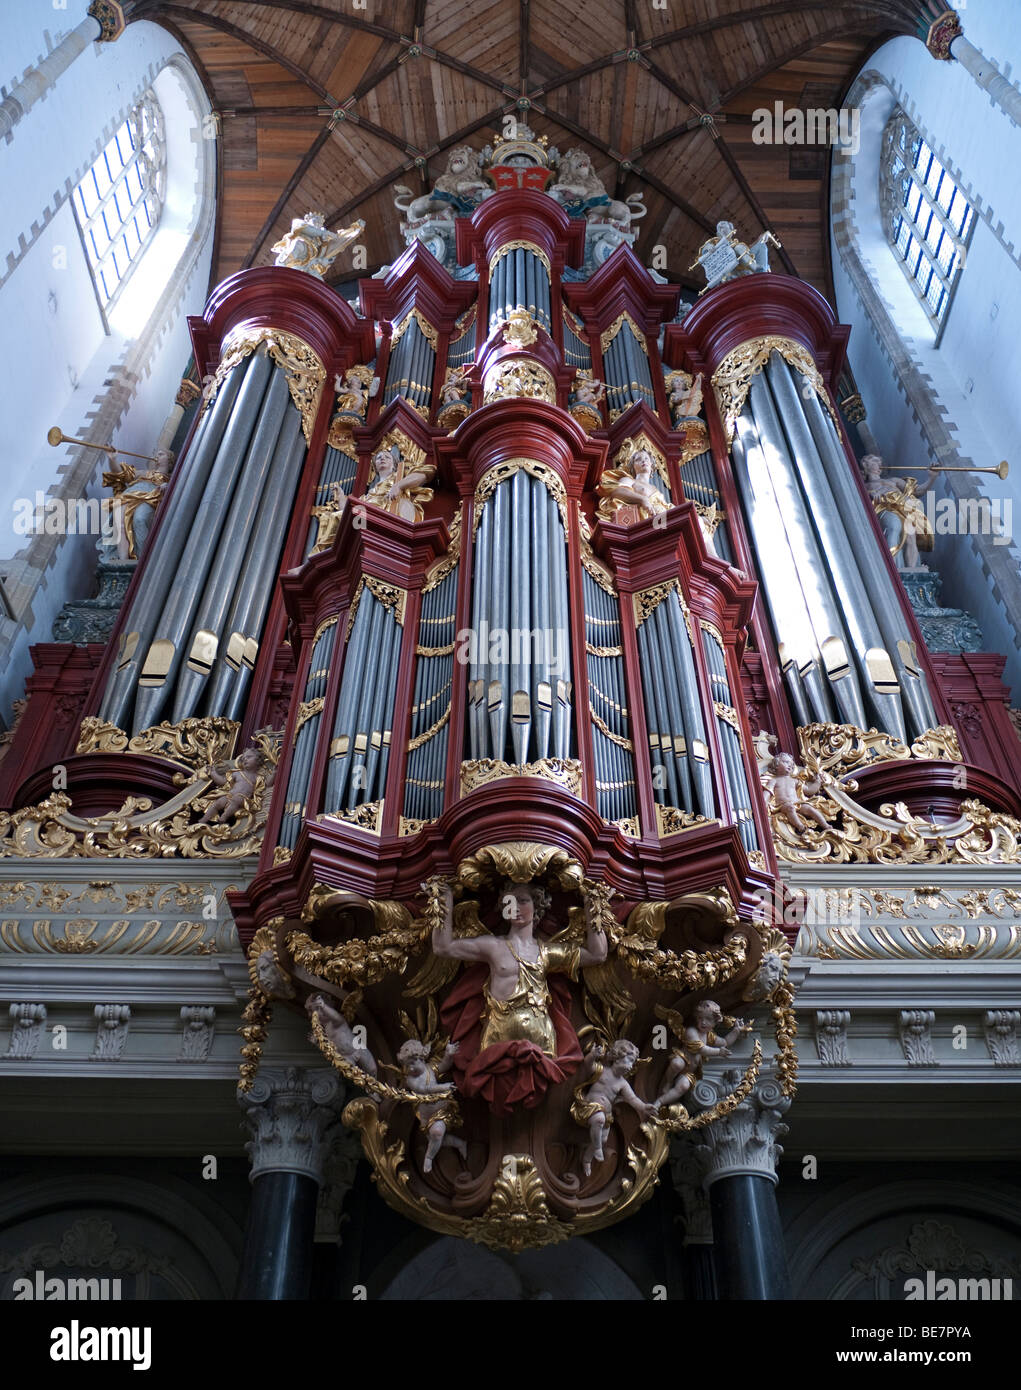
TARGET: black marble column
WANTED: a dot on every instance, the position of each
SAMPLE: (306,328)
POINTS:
(294,1120)
(734,1161)
(277,1258)
(748,1242)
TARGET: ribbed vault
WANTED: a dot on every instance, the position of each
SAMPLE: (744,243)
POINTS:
(328,106)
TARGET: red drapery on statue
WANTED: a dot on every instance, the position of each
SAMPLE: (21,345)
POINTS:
(507,1073)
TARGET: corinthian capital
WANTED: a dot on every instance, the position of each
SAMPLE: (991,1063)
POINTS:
(293,1116)
(747,1140)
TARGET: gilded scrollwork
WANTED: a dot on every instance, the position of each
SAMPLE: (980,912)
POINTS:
(844,831)
(519,376)
(565,772)
(305,373)
(236,789)
(194,743)
(733,377)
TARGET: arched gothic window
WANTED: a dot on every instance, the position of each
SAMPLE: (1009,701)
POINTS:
(926,217)
(118,202)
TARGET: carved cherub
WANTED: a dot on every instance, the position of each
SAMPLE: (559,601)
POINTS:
(698,1041)
(455,385)
(353,390)
(340,1033)
(588,390)
(238,779)
(789,785)
(435,1116)
(604,1084)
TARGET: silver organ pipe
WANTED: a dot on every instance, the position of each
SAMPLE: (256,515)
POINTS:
(431,704)
(611,733)
(180,557)
(729,734)
(520,618)
(306,735)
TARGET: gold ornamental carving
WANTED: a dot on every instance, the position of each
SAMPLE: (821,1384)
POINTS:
(195,743)
(305,373)
(608,334)
(426,327)
(510,246)
(519,376)
(500,472)
(232,795)
(843,748)
(501,1191)
(565,772)
(519,328)
(815,819)
(732,379)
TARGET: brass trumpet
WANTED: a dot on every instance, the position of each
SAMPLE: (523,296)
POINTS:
(1001,469)
(55,436)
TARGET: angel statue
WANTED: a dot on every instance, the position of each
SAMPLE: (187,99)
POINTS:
(510,1011)
(901,513)
(605,1084)
(698,1041)
(422,1069)
(136,495)
(402,493)
(684,398)
(782,778)
(628,492)
(340,1033)
(328,515)
(239,779)
(308,246)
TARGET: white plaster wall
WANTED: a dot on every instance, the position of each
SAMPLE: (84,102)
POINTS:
(972,375)
(66,369)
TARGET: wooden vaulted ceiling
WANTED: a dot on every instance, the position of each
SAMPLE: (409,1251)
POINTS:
(328,106)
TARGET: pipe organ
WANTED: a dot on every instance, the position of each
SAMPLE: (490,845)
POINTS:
(466,647)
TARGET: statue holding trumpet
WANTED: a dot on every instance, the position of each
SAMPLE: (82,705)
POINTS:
(906,522)
(129,513)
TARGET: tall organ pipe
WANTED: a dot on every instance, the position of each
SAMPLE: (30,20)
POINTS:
(872,566)
(191,563)
(362,641)
(521,579)
(541,686)
(867,624)
(800,654)
(258,576)
(163,558)
(557,553)
(478,663)
(688,685)
(237,539)
(497,672)
(815,567)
